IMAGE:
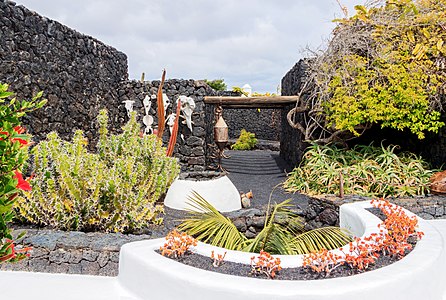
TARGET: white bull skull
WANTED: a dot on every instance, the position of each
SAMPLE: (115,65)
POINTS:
(187,108)
(147,104)
(170,121)
(128,106)
(166,102)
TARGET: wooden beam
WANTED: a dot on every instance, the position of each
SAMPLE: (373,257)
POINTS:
(251,102)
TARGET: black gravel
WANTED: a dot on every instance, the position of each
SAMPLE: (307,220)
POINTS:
(263,172)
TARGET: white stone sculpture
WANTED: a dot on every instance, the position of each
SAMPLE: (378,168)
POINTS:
(187,108)
(128,106)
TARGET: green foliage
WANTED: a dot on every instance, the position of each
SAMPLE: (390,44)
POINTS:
(282,233)
(217,84)
(115,189)
(394,87)
(239,90)
(366,170)
(13,152)
(246,141)
(385,66)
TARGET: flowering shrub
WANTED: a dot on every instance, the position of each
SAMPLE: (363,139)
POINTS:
(177,244)
(397,229)
(392,240)
(265,264)
(13,153)
(217,259)
(9,252)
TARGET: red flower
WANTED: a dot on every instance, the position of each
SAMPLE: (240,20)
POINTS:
(22,183)
(18,130)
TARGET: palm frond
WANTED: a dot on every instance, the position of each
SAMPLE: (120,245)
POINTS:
(320,238)
(280,226)
(210,226)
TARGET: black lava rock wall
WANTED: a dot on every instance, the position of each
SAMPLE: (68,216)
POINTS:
(77,73)
(291,145)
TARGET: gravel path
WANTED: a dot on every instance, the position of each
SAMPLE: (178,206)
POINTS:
(263,172)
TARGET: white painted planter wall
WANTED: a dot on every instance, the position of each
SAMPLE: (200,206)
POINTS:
(220,192)
(144,274)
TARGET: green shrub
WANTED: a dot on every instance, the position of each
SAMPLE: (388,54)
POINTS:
(217,84)
(115,189)
(246,141)
(366,170)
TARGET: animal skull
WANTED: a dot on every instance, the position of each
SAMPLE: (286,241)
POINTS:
(170,121)
(187,108)
(128,106)
(147,104)
(166,102)
(148,121)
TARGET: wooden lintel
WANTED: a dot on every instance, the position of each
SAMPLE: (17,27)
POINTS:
(251,102)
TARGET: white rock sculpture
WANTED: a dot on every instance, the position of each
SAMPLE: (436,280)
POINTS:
(187,108)
(247,89)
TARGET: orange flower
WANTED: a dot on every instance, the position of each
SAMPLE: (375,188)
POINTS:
(22,183)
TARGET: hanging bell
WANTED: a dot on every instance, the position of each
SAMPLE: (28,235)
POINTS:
(221,135)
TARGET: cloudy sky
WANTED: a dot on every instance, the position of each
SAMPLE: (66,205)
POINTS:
(241,41)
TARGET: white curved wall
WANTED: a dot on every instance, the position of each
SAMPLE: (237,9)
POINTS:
(418,276)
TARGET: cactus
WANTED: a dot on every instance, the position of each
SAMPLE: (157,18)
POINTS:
(115,189)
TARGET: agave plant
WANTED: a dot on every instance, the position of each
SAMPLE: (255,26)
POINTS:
(208,225)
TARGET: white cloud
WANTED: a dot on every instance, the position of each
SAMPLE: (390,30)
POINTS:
(242,41)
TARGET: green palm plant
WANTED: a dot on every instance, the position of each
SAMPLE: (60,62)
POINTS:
(283,232)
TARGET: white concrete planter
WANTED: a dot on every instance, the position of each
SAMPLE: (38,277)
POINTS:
(220,192)
(417,276)
(145,274)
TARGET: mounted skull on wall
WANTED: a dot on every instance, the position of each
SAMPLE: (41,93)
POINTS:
(187,108)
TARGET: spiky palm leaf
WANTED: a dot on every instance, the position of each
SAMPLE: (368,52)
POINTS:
(275,236)
(282,233)
(210,226)
(317,239)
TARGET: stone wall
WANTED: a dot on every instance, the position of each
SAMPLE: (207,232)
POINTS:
(73,252)
(265,123)
(80,75)
(291,145)
(77,73)
(325,211)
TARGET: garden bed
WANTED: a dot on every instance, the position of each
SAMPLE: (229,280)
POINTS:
(149,274)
